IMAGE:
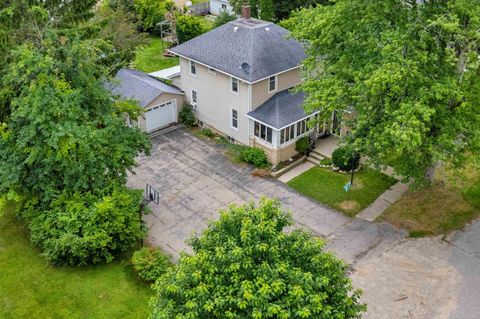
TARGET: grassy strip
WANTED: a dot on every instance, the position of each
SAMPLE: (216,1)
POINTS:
(326,187)
(31,288)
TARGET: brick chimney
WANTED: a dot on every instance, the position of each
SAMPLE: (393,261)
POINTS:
(246,11)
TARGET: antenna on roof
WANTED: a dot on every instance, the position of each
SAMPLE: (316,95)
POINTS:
(245,67)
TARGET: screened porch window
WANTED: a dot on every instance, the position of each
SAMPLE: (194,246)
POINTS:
(263,132)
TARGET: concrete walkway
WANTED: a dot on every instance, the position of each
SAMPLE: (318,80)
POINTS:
(299,170)
(389,197)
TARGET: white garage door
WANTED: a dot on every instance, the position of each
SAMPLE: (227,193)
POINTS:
(161,115)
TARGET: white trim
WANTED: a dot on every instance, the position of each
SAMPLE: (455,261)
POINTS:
(190,67)
(231,119)
(206,65)
(306,117)
(212,71)
(254,119)
(231,86)
(276,84)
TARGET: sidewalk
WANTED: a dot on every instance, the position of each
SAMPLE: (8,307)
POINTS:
(389,197)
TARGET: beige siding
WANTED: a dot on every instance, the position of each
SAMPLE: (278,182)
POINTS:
(215,100)
(165,97)
(285,81)
(275,156)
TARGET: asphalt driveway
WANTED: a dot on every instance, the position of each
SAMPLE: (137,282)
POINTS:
(401,278)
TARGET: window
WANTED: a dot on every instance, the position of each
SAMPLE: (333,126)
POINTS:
(224,7)
(194,97)
(234,119)
(193,68)
(287,134)
(301,127)
(212,71)
(263,132)
(234,85)
(272,84)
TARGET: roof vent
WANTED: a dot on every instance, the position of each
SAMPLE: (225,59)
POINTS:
(246,68)
(235,29)
(267,29)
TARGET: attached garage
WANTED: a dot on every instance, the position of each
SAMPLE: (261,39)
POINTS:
(161,102)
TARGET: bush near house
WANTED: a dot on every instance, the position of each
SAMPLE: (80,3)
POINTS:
(186,116)
(343,159)
(255,156)
(302,145)
(150,263)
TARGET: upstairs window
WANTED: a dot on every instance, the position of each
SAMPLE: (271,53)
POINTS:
(193,68)
(234,118)
(234,85)
(272,84)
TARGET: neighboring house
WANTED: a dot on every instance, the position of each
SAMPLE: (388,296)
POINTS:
(161,102)
(218,6)
(238,78)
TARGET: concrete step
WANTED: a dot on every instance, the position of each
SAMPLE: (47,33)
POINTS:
(316,156)
(313,160)
(316,152)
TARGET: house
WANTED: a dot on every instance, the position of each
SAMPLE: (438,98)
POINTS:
(161,102)
(238,78)
(218,6)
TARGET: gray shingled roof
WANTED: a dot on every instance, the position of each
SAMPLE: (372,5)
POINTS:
(139,86)
(263,46)
(280,110)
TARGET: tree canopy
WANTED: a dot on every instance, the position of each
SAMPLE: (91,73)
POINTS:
(409,71)
(246,266)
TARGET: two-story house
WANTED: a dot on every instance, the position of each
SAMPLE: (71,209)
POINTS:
(238,79)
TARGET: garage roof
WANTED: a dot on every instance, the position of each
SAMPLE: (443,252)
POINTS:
(136,85)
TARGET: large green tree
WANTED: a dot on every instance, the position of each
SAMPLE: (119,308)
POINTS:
(246,266)
(407,70)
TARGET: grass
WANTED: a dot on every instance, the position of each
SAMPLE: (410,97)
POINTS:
(31,288)
(149,58)
(451,203)
(326,187)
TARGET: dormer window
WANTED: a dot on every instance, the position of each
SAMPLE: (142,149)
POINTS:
(272,84)
(193,68)
(234,85)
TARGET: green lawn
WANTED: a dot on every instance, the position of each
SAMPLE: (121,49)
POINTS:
(451,203)
(30,288)
(326,186)
(149,58)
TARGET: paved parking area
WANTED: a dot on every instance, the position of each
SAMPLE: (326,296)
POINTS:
(401,278)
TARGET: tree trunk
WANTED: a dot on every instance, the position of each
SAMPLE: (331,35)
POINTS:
(430,173)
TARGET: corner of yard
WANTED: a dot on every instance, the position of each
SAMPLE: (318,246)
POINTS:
(31,288)
(149,58)
(326,187)
(451,203)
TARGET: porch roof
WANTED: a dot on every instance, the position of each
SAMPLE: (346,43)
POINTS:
(280,110)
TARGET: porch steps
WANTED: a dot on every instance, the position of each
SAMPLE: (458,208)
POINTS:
(315,157)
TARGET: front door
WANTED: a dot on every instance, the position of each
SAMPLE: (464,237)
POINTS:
(336,124)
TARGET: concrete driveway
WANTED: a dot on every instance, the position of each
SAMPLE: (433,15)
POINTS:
(401,278)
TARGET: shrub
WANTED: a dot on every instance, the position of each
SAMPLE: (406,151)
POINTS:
(188,27)
(343,159)
(223,18)
(326,162)
(150,263)
(186,116)
(302,145)
(207,132)
(254,155)
(82,229)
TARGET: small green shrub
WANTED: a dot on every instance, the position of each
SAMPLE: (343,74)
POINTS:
(186,116)
(83,229)
(207,132)
(255,156)
(302,145)
(150,263)
(343,159)
(326,162)
(188,27)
